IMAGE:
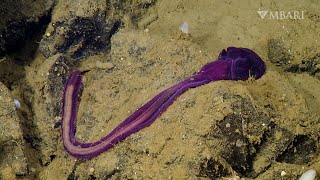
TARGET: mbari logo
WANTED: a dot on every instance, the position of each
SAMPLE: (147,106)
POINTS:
(281,14)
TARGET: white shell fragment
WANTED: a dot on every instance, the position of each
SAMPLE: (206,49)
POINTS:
(16,103)
(308,175)
(184,27)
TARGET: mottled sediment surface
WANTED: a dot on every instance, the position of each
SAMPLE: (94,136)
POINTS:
(264,129)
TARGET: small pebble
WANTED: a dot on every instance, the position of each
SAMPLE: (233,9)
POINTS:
(91,170)
(32,169)
(283,173)
(239,143)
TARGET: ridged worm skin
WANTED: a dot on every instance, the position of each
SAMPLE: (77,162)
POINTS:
(233,64)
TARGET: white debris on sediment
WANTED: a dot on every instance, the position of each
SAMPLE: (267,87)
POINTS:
(184,27)
(308,175)
(16,103)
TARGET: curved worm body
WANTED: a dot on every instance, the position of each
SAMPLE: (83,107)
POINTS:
(233,64)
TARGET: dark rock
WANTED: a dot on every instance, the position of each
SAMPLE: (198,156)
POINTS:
(309,65)
(87,29)
(25,22)
(300,151)
(243,131)
(213,169)
(277,53)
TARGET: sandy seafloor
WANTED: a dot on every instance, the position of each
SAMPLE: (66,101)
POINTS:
(276,118)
